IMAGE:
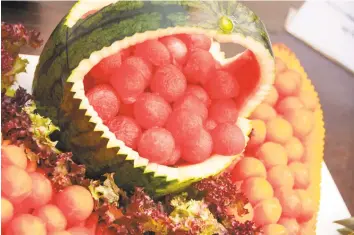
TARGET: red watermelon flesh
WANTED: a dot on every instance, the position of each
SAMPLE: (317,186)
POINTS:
(105,101)
(177,49)
(247,73)
(103,70)
(174,71)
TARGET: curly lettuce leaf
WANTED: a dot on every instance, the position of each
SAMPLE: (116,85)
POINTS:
(195,215)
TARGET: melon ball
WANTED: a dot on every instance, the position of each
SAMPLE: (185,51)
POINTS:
(198,92)
(41,192)
(169,82)
(279,176)
(13,155)
(125,53)
(291,225)
(309,99)
(302,122)
(151,110)
(199,67)
(153,51)
(78,230)
(16,184)
(75,202)
(288,82)
(288,104)
(176,155)
(264,112)
(222,85)
(53,218)
(210,124)
(294,149)
(26,224)
(104,101)
(184,125)
(301,175)
(103,70)
(193,105)
(272,154)
(137,63)
(60,233)
(228,139)
(7,211)
(267,211)
(125,129)
(177,48)
(280,66)
(259,132)
(224,111)
(308,206)
(306,229)
(279,130)
(196,41)
(248,167)
(272,97)
(128,82)
(274,229)
(199,148)
(257,189)
(289,201)
(156,144)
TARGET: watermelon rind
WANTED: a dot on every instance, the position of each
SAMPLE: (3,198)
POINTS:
(77,45)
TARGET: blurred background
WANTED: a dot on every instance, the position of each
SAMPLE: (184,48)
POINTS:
(334,83)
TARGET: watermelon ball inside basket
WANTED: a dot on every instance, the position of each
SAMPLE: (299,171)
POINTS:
(170,102)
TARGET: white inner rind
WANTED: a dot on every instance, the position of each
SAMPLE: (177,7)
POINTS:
(216,163)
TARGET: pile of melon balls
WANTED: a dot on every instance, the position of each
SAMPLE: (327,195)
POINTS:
(274,173)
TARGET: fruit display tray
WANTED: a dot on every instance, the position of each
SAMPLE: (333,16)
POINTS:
(332,206)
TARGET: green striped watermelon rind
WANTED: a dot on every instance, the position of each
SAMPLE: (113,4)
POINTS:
(72,51)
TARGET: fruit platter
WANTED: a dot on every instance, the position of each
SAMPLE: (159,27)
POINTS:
(136,122)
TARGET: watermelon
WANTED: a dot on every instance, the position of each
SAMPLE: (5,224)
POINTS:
(78,44)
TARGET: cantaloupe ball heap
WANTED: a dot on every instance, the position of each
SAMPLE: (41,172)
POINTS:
(274,174)
(29,203)
(169,100)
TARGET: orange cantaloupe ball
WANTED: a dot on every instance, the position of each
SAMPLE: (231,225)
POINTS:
(279,130)
(308,206)
(248,167)
(279,176)
(267,211)
(274,229)
(272,154)
(257,189)
(294,149)
(291,225)
(13,155)
(301,175)
(288,82)
(264,112)
(309,99)
(302,121)
(289,201)
(258,133)
(272,97)
(280,65)
(7,211)
(288,104)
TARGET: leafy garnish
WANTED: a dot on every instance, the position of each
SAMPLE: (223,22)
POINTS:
(13,38)
(221,194)
(63,171)
(142,215)
(21,125)
(193,215)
